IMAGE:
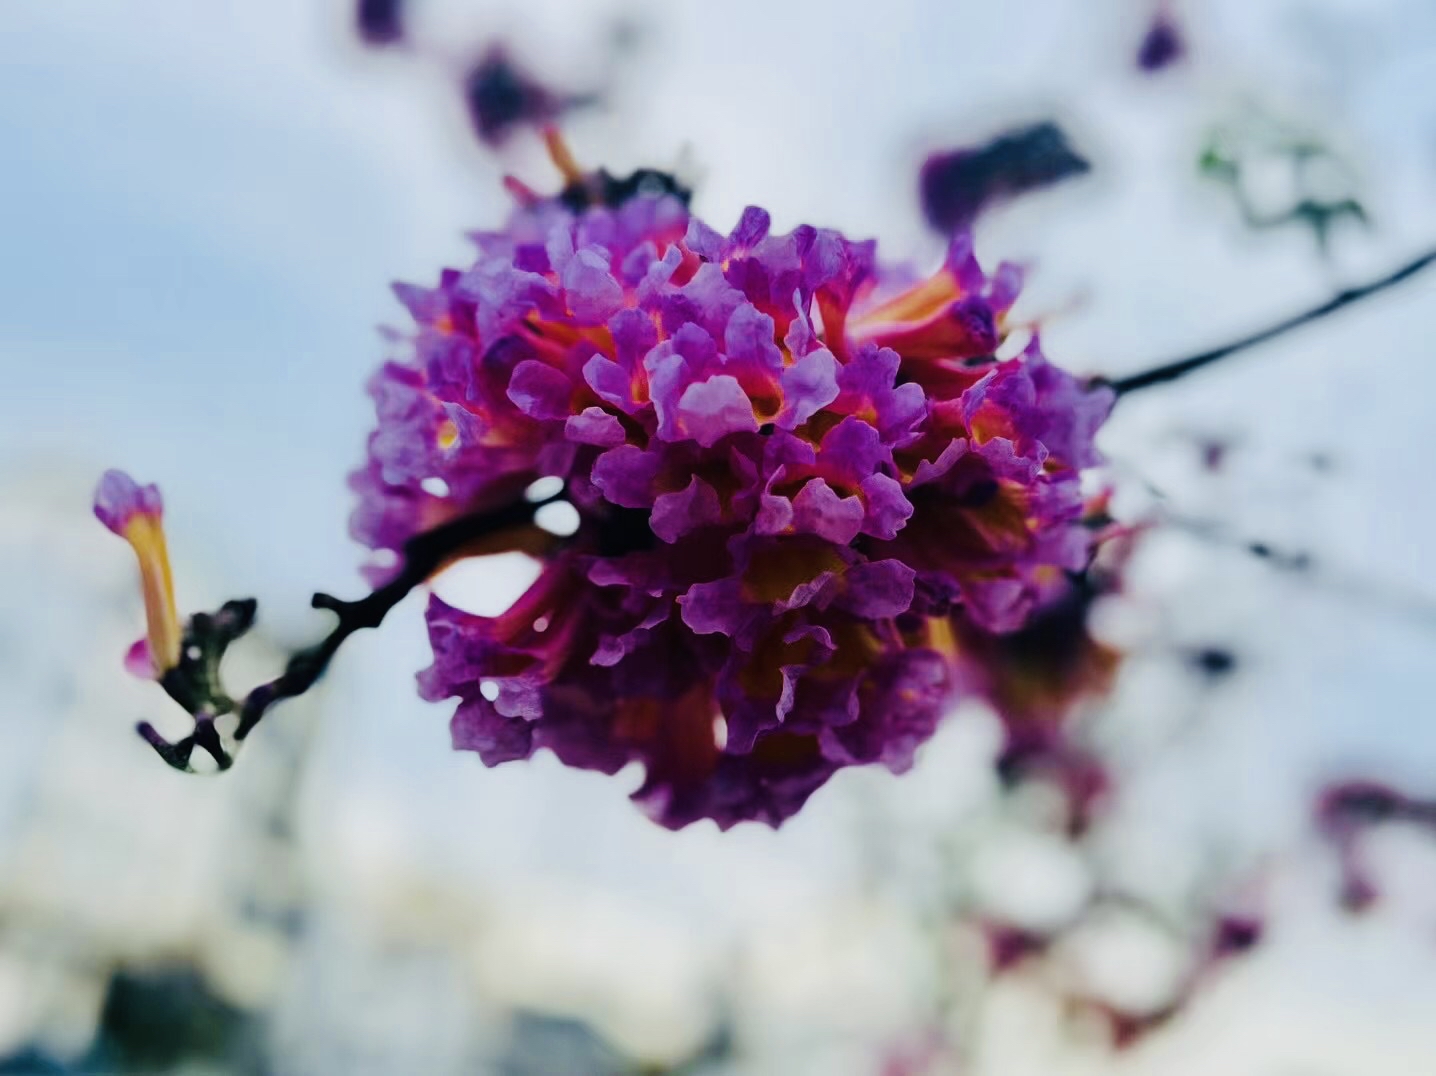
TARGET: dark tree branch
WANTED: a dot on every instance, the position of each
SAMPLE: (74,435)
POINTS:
(195,683)
(1373,593)
(1172,371)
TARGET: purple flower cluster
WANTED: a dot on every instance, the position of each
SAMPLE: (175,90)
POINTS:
(802,483)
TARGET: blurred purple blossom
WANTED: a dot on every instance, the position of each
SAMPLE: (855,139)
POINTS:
(502,96)
(1162,45)
(380,22)
(958,185)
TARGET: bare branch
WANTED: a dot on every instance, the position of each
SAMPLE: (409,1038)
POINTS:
(1179,368)
(195,684)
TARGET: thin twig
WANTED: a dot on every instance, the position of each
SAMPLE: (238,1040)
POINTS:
(194,682)
(1386,597)
(1171,371)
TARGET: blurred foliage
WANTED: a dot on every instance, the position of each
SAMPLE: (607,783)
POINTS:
(163,1020)
(1282,174)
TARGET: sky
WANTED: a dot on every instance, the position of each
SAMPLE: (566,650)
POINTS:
(204,206)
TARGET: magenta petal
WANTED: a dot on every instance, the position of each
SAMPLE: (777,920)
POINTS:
(901,410)
(634,336)
(540,391)
(817,590)
(460,642)
(785,450)
(594,426)
(854,449)
(878,589)
(520,696)
(887,506)
(809,385)
(653,292)
(930,470)
(710,299)
(1071,411)
(716,607)
(748,339)
(906,697)
(505,296)
(800,338)
(775,515)
(961,261)
(868,385)
(972,321)
(1002,456)
(612,649)
(138,661)
(610,382)
(999,605)
(668,377)
(469,427)
(559,247)
(1005,286)
(625,476)
(703,241)
(870,374)
(593,294)
(712,409)
(477,726)
(752,228)
(675,514)
(687,356)
(817,509)
(632,571)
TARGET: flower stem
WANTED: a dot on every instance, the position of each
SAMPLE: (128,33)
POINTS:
(1179,368)
(194,682)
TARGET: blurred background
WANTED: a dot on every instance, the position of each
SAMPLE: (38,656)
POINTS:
(203,207)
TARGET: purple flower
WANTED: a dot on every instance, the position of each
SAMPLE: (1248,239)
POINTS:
(502,97)
(135,513)
(807,496)
(380,22)
(957,186)
(119,499)
(1162,44)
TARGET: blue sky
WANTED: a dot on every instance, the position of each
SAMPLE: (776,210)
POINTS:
(203,206)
